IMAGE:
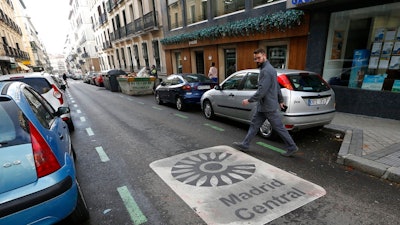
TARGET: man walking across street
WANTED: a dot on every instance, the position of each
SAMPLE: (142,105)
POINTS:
(269,102)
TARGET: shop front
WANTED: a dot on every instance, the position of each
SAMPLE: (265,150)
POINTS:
(362,55)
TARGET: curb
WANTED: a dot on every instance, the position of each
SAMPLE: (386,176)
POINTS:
(349,156)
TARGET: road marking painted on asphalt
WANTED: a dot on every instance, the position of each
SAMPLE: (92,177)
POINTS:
(142,103)
(214,127)
(83,119)
(226,186)
(271,147)
(72,101)
(181,116)
(89,131)
(158,108)
(102,154)
(134,211)
(75,105)
(78,111)
(130,99)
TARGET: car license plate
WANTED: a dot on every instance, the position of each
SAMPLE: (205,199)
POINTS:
(317,101)
(203,87)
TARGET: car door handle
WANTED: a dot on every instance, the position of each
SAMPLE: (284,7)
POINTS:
(61,136)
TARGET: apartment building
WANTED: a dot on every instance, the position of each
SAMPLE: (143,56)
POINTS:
(128,33)
(13,55)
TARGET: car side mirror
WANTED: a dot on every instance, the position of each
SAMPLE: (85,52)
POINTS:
(62,110)
(217,87)
(163,83)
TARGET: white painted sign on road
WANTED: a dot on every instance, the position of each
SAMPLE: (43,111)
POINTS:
(225,186)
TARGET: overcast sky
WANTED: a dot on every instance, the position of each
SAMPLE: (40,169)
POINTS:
(50,18)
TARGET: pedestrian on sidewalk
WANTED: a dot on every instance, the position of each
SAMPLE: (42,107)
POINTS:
(269,103)
(213,72)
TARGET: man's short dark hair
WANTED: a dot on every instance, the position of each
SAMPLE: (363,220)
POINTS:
(259,50)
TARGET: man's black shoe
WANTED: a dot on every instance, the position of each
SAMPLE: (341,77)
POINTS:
(289,153)
(240,146)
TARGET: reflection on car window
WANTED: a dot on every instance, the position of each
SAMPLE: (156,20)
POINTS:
(233,82)
(251,81)
(192,78)
(40,107)
(308,82)
(13,124)
(41,85)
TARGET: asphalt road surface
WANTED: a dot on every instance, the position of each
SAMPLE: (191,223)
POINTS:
(118,136)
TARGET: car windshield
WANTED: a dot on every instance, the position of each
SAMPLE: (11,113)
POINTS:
(41,85)
(192,78)
(13,124)
(308,82)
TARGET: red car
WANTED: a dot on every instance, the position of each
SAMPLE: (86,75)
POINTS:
(99,80)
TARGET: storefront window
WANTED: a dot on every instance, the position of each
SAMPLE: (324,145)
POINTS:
(223,7)
(363,49)
(175,14)
(196,10)
(277,56)
(264,2)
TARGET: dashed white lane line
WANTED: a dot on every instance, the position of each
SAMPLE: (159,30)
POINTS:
(83,119)
(78,111)
(102,154)
(89,131)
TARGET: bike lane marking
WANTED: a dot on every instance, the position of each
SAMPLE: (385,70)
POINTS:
(102,154)
(226,186)
(134,211)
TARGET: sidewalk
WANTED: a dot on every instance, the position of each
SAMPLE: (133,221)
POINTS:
(370,144)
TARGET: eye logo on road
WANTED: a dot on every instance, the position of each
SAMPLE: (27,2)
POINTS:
(211,170)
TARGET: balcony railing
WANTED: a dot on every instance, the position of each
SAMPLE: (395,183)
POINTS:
(150,21)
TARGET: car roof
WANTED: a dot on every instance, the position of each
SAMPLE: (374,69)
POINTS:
(25,75)
(279,71)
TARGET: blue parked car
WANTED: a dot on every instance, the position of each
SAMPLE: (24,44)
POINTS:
(38,182)
(183,89)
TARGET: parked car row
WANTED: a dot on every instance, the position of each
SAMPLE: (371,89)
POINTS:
(104,78)
(38,176)
(309,99)
(50,87)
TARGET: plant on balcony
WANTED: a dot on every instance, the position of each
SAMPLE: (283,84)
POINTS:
(277,21)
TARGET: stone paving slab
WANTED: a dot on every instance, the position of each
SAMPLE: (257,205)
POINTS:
(370,144)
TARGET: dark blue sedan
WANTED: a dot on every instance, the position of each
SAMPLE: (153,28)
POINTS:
(38,182)
(183,89)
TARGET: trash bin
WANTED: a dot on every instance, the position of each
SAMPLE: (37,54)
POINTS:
(110,79)
(136,85)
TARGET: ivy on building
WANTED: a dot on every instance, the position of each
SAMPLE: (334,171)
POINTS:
(281,21)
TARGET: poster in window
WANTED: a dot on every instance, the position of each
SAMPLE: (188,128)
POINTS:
(396,86)
(396,48)
(337,44)
(376,49)
(379,33)
(373,82)
(383,63)
(390,34)
(387,48)
(373,62)
(394,62)
(398,34)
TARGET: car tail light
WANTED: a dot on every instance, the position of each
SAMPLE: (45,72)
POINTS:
(186,87)
(289,126)
(57,93)
(45,160)
(283,80)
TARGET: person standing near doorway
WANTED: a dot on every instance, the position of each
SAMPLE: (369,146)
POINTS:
(213,72)
(269,102)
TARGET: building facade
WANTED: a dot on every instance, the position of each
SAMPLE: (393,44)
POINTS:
(355,45)
(127,34)
(12,49)
(227,33)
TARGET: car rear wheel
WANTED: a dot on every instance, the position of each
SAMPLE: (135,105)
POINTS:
(266,130)
(208,110)
(158,100)
(81,212)
(179,104)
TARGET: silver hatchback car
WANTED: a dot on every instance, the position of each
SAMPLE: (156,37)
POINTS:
(309,99)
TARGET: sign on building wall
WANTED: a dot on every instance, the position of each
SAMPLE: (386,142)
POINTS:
(290,4)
